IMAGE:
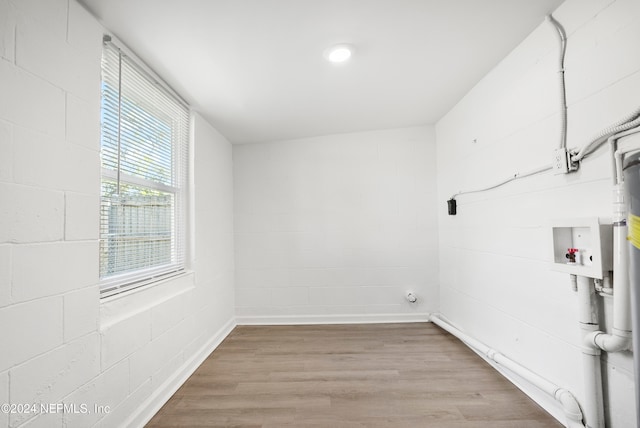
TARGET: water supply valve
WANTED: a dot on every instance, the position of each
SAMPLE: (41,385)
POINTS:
(571,255)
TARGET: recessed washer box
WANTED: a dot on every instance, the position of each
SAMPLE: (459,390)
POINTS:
(592,238)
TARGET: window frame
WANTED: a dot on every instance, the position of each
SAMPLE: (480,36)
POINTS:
(111,284)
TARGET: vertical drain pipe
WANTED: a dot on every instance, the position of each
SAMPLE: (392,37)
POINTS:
(620,337)
(588,318)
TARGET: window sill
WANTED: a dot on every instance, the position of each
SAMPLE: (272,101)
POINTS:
(118,307)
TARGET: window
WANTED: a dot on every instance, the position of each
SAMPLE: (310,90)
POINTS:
(144,144)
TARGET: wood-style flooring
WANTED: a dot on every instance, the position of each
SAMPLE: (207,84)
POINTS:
(366,375)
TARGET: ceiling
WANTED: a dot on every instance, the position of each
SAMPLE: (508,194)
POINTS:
(255,68)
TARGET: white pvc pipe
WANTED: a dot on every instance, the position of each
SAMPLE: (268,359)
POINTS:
(587,309)
(621,284)
(588,319)
(613,146)
(593,401)
(620,338)
(574,282)
(569,403)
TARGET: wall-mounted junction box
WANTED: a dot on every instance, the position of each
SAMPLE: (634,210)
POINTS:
(562,163)
(583,246)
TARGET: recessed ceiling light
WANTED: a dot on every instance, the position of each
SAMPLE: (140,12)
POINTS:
(338,53)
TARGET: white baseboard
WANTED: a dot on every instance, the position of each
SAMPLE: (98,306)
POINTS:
(159,397)
(331,319)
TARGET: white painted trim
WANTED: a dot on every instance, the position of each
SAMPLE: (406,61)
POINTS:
(160,396)
(117,308)
(331,319)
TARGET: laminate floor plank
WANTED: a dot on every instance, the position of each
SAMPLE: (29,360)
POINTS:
(344,376)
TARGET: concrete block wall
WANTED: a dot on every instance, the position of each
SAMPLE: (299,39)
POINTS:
(327,229)
(122,356)
(336,228)
(495,255)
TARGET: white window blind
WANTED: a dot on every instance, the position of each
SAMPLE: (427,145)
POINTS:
(144,144)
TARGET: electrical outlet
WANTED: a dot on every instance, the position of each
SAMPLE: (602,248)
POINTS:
(560,161)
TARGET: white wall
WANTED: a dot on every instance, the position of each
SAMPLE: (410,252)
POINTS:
(336,228)
(61,344)
(495,276)
(329,229)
